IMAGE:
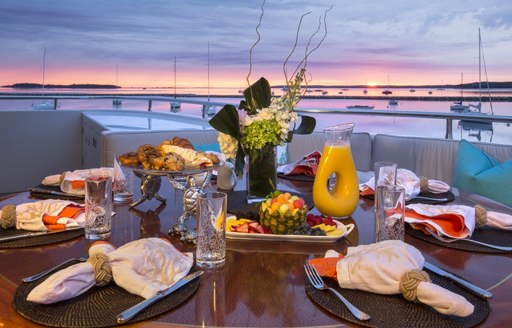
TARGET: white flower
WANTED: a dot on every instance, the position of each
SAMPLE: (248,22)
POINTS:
(228,145)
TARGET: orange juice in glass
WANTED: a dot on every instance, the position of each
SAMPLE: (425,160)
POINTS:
(341,200)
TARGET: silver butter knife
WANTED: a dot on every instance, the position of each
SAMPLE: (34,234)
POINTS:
(430,198)
(469,286)
(131,312)
(36,233)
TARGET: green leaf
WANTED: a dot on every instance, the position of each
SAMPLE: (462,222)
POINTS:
(240,161)
(307,126)
(226,121)
(257,96)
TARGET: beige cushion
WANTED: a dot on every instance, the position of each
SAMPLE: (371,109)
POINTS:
(429,157)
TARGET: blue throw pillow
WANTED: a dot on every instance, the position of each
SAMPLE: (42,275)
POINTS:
(480,173)
(207,147)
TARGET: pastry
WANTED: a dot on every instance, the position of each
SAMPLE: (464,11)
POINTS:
(147,155)
(193,159)
(173,162)
(129,159)
(215,160)
(178,141)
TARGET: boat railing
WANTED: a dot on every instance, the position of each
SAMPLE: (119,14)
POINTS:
(449,117)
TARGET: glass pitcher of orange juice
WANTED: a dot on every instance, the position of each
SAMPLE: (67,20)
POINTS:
(341,199)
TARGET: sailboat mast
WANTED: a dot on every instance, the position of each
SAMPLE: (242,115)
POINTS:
(174,76)
(208,70)
(44,69)
(479,69)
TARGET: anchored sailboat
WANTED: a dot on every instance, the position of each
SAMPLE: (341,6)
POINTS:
(46,104)
(117,102)
(474,127)
(208,110)
(175,106)
(458,106)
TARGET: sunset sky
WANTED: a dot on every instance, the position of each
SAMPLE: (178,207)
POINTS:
(411,42)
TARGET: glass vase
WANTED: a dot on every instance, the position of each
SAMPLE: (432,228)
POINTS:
(338,199)
(261,174)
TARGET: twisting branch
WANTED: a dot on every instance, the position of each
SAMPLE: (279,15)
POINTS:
(299,74)
(253,46)
(297,33)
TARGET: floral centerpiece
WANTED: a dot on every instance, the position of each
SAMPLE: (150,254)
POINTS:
(249,135)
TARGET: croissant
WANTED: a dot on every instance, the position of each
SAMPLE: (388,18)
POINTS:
(178,141)
(193,159)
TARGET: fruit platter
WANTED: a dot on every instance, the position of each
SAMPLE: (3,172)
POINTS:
(284,217)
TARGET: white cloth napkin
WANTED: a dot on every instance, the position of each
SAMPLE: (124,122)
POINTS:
(77,175)
(29,216)
(142,267)
(378,268)
(410,182)
(455,221)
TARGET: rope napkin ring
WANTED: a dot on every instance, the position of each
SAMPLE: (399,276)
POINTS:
(423,184)
(480,216)
(102,269)
(409,283)
(8,217)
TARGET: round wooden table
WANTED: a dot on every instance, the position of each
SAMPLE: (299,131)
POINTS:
(262,283)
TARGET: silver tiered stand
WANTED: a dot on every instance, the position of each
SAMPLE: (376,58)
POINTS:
(150,182)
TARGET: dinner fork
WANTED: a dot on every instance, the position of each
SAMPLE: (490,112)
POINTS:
(54,268)
(452,240)
(318,283)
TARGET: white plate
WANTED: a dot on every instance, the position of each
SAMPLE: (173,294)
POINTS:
(300,238)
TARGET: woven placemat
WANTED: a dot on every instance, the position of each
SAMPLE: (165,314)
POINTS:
(394,310)
(37,240)
(442,198)
(237,202)
(98,307)
(297,177)
(486,235)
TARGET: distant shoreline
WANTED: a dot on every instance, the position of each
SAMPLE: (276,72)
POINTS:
(472,85)
(50,95)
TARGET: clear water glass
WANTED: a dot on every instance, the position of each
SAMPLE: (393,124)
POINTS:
(385,173)
(389,213)
(123,183)
(211,229)
(98,207)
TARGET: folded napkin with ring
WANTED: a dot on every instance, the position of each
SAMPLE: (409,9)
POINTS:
(73,182)
(412,184)
(44,215)
(392,267)
(142,267)
(454,221)
(307,165)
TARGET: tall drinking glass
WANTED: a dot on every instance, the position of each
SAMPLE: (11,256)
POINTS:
(211,229)
(338,199)
(385,174)
(390,213)
(98,207)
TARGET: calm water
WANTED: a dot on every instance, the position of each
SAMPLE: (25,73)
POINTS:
(399,126)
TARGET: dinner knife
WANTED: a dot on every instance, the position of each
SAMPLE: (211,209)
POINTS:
(131,312)
(55,193)
(36,233)
(469,286)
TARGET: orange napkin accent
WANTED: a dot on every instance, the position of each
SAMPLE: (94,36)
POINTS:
(367,192)
(326,266)
(70,211)
(78,184)
(451,223)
